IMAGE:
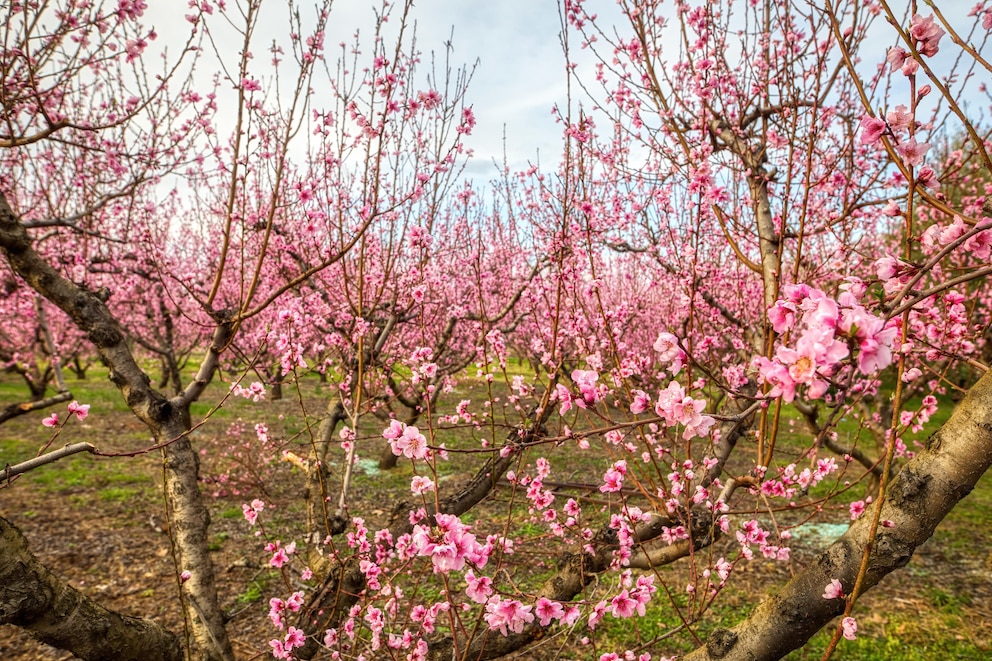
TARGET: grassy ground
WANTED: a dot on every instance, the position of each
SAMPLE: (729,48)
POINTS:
(100,522)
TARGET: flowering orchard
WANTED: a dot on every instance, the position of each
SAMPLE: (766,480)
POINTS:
(763,226)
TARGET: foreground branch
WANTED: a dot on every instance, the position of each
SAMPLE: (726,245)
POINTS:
(47,458)
(920,496)
(57,614)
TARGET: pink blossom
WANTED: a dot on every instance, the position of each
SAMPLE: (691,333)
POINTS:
(586,382)
(723,569)
(468,122)
(913,152)
(479,588)
(850,627)
(834,590)
(815,355)
(598,611)
(782,315)
(394,430)
(622,605)
(857,508)
(899,117)
(294,638)
(927,177)
(888,267)
(276,608)
(777,376)
(872,129)
(81,410)
(280,554)
(565,397)
(640,403)
(896,57)
(449,544)
(250,85)
(926,33)
(278,650)
(295,601)
(613,479)
(667,346)
(51,420)
(420,484)
(134,48)
(410,443)
(547,610)
(507,614)
(130,9)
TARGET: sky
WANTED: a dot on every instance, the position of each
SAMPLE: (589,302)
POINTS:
(514,45)
(520,67)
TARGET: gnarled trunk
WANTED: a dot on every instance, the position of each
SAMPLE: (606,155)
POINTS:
(918,498)
(57,614)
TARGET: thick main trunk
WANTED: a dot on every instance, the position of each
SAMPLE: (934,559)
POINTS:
(55,613)
(189,522)
(918,498)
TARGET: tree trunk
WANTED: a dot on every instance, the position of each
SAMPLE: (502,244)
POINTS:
(57,614)
(189,524)
(917,499)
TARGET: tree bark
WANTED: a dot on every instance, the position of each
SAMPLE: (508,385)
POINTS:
(918,498)
(57,614)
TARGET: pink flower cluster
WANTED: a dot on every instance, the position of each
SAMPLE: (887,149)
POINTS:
(255,392)
(280,553)
(449,544)
(789,482)
(589,392)
(507,615)
(406,440)
(751,533)
(277,607)
(282,649)
(829,327)
(631,600)
(669,351)
(678,408)
(252,511)
(926,33)
(80,410)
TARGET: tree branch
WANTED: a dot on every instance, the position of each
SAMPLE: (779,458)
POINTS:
(920,496)
(55,613)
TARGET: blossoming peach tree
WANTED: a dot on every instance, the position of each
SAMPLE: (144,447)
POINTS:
(752,234)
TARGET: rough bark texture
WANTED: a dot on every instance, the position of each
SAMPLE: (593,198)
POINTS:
(918,498)
(57,614)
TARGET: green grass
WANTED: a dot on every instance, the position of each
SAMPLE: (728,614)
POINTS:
(119,494)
